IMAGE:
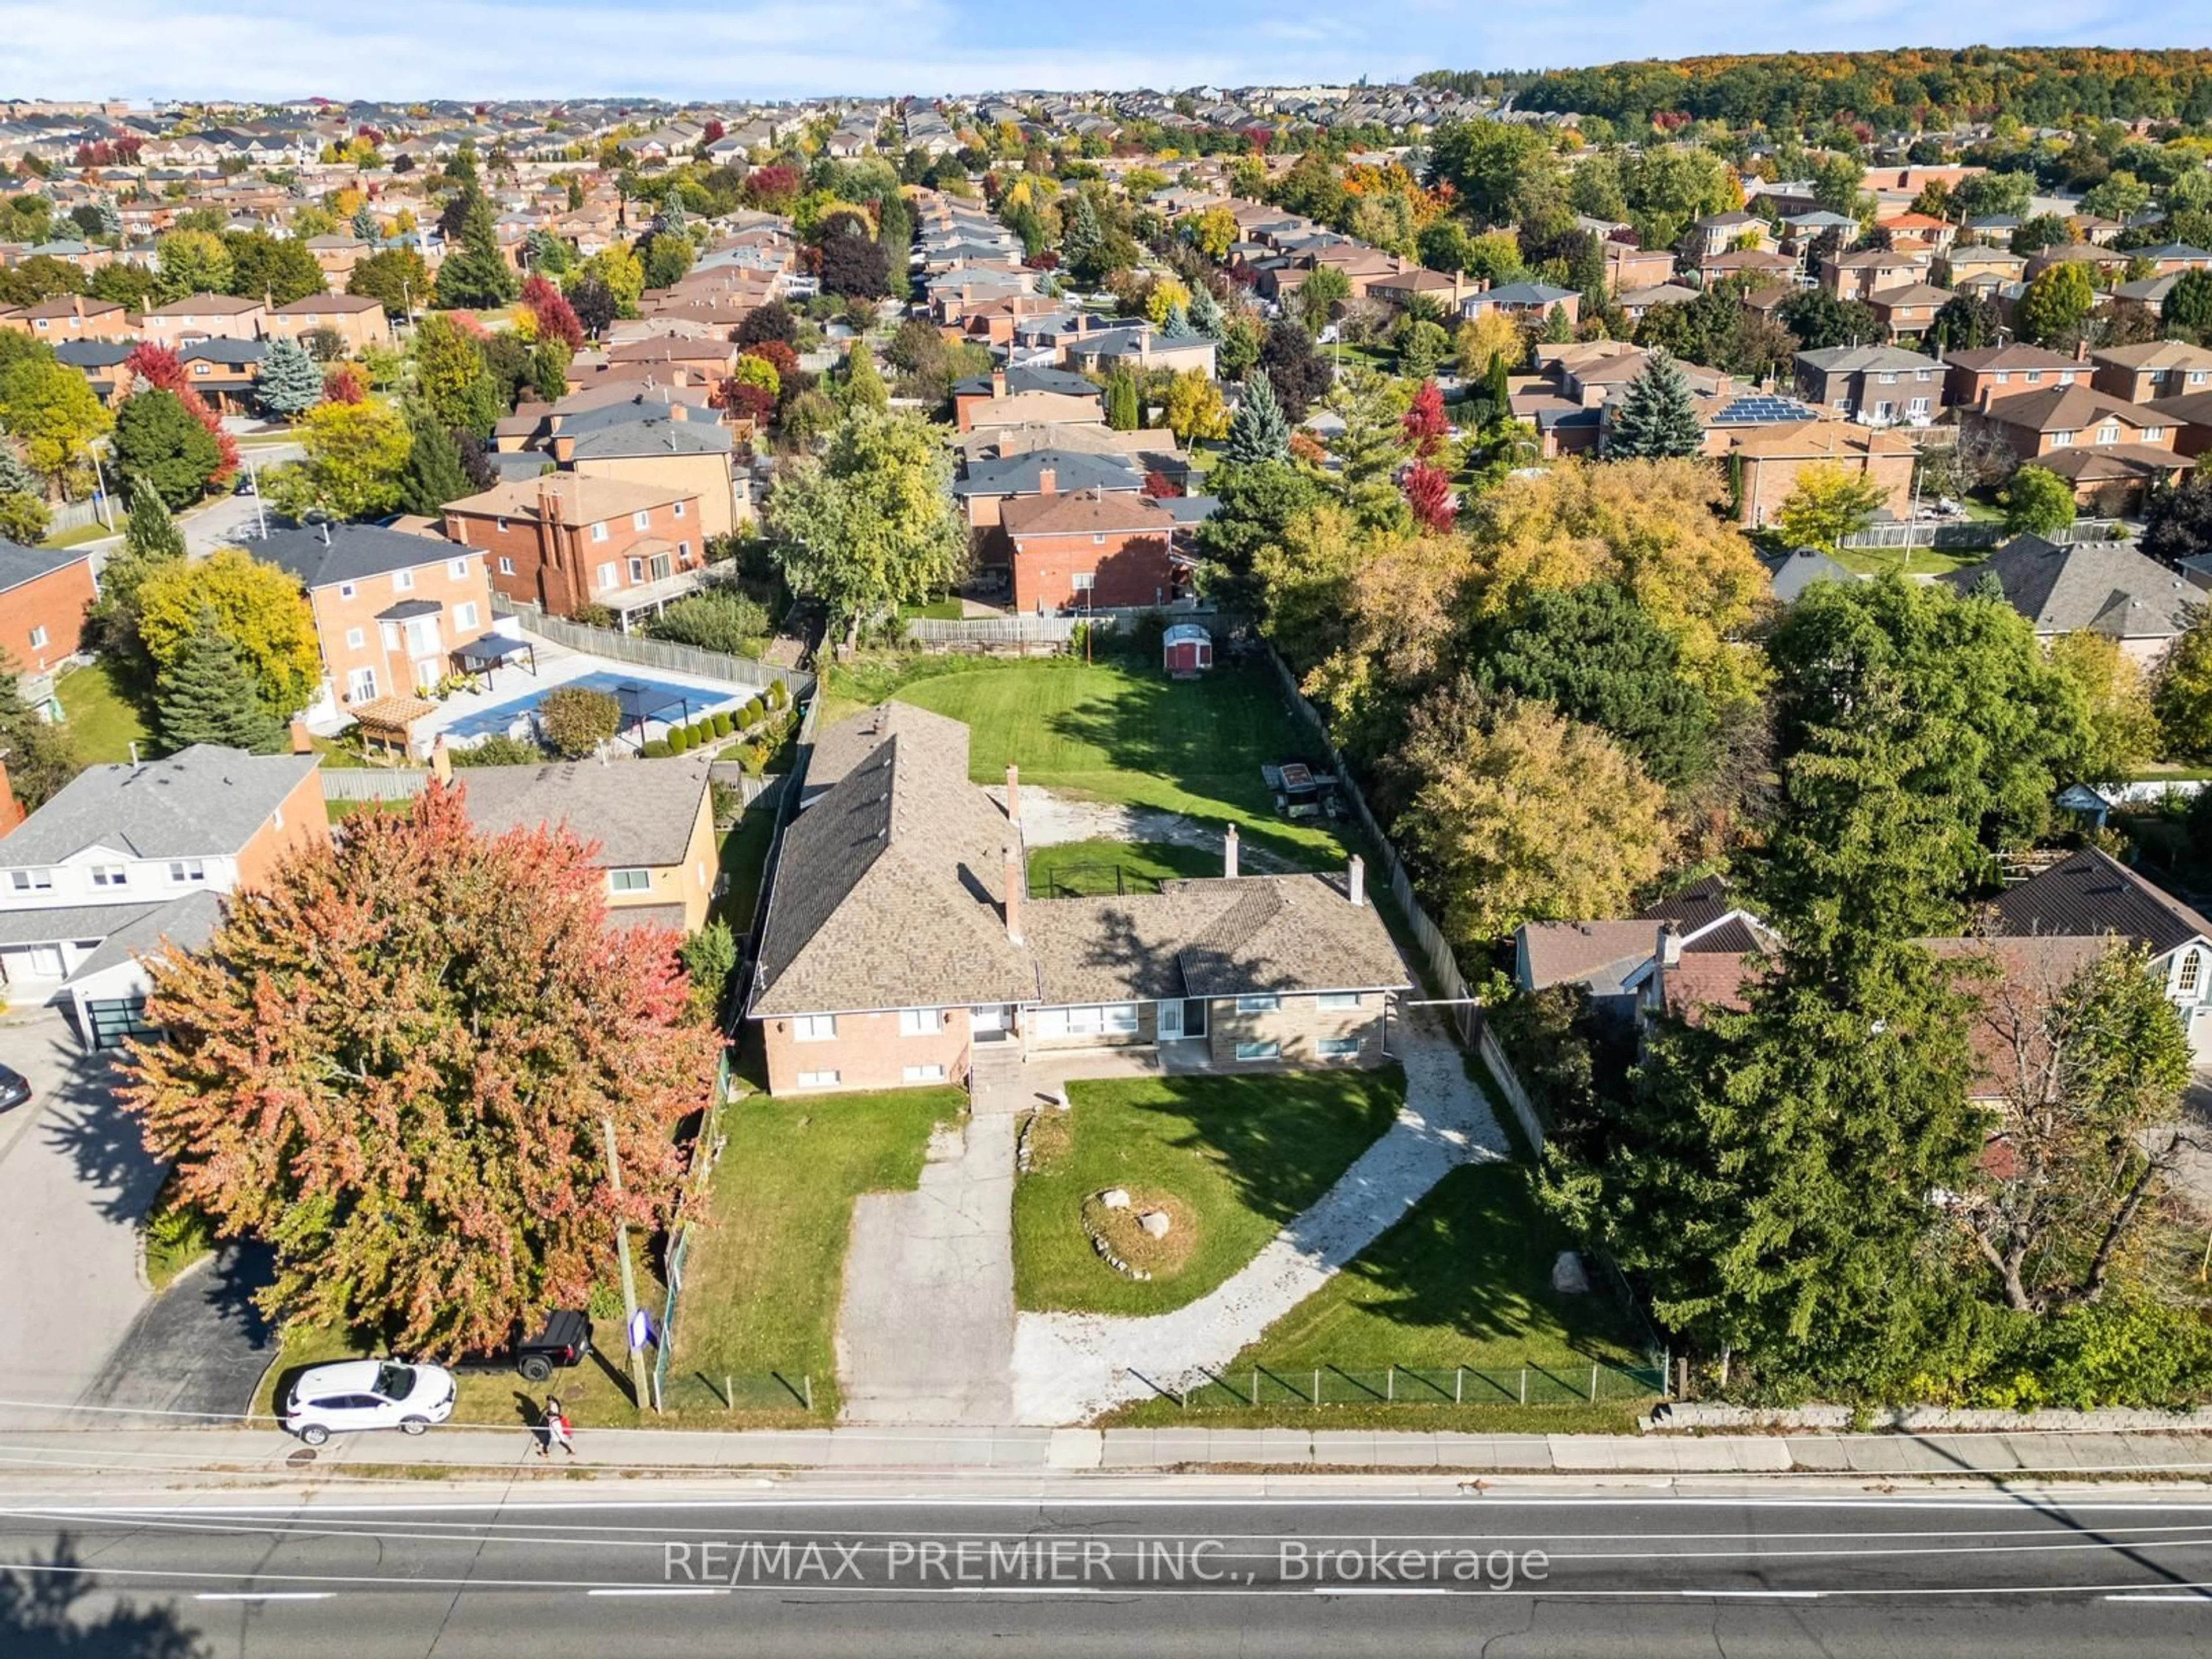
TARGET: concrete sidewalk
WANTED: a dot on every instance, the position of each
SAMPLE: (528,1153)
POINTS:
(159,1453)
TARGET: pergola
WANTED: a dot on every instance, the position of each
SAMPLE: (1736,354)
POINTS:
(641,704)
(388,721)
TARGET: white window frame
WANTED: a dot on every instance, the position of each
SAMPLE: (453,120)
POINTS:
(642,519)
(1259,1002)
(357,639)
(921,1073)
(634,878)
(183,872)
(1337,1047)
(608,573)
(502,523)
(2030,376)
(676,510)
(31,881)
(464,616)
(821,1079)
(361,685)
(1339,999)
(2109,433)
(2062,441)
(38,638)
(506,566)
(2190,975)
(111,875)
(599,530)
(922,1022)
(814,1027)
(345,589)
(458,569)
(403,581)
(1082,581)
(1263,1048)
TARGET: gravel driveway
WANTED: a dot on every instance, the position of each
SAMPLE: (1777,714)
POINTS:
(1068,1368)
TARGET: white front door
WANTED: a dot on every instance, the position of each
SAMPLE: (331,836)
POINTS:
(989,1020)
(1171,1020)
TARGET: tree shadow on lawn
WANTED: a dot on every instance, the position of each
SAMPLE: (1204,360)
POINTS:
(1471,1263)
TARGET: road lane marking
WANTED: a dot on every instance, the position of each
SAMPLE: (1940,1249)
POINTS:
(265,1595)
(2199,1596)
(663,1590)
(1753,1595)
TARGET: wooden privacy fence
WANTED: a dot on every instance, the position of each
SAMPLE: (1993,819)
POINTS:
(1460,1005)
(372,783)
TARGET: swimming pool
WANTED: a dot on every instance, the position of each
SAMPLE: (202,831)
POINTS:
(639,694)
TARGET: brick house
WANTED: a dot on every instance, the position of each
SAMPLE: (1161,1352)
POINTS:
(338,254)
(566,540)
(389,607)
(1525,302)
(125,856)
(1877,383)
(650,824)
(2110,451)
(1771,457)
(1083,548)
(356,319)
(2158,368)
(1906,313)
(2102,588)
(225,372)
(1861,276)
(1027,398)
(203,317)
(43,594)
(1629,268)
(70,317)
(2005,371)
(902,947)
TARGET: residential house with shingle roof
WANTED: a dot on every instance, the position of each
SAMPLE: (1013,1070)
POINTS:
(901,943)
(2103,588)
(2111,451)
(120,852)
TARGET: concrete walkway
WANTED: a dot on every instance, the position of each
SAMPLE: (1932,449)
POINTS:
(925,1332)
(114,1457)
(1069,1368)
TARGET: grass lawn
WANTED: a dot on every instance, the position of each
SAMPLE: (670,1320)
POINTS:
(101,709)
(177,1236)
(766,1273)
(945,609)
(1076,868)
(1909,561)
(1237,1155)
(744,858)
(1464,1279)
(1117,731)
(94,532)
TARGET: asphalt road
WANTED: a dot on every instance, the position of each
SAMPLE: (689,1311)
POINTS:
(366,1574)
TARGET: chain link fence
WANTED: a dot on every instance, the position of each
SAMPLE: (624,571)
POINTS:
(1595,1384)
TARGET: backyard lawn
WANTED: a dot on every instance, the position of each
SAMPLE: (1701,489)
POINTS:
(1230,1159)
(102,713)
(1074,869)
(766,1271)
(1913,562)
(1464,1280)
(1121,732)
(744,858)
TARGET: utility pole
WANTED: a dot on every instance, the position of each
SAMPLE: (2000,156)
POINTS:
(628,1279)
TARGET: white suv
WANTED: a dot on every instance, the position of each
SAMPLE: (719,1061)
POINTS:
(368,1394)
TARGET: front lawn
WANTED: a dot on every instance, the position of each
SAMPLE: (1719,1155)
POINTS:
(1074,869)
(1909,561)
(767,1270)
(1464,1280)
(102,711)
(1231,1158)
(1119,730)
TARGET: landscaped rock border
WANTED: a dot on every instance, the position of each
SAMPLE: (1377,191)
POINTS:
(1106,1252)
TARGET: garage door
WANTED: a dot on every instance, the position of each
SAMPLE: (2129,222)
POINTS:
(115,1018)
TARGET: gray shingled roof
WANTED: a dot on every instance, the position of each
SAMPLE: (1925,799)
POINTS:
(632,438)
(2089,895)
(19,564)
(1073,468)
(353,552)
(186,922)
(2104,586)
(1598,954)
(55,923)
(635,811)
(203,801)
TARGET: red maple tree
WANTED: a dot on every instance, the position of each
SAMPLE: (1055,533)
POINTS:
(1425,425)
(555,317)
(343,385)
(1428,493)
(392,1060)
(162,368)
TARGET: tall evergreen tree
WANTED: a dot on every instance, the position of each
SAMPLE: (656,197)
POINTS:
(433,474)
(290,383)
(364,225)
(1656,420)
(1080,237)
(207,697)
(151,540)
(1258,431)
(475,273)
(1205,312)
(1124,413)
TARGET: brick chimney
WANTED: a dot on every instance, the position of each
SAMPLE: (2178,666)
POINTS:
(1015,879)
(302,743)
(678,409)
(2081,350)
(998,382)
(1047,481)
(549,502)
(1356,879)
(1229,853)
(1013,791)
(564,449)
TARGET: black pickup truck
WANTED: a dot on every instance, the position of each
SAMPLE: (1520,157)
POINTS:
(565,1340)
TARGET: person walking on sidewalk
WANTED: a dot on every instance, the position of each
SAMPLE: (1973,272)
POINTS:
(557,1429)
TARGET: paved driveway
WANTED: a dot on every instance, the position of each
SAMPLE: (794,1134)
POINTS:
(74,1179)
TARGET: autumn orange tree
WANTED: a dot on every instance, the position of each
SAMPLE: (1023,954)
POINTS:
(392,1063)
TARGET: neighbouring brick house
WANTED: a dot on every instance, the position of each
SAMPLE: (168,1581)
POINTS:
(2110,451)
(1907,311)
(2006,371)
(70,317)
(650,822)
(43,594)
(390,608)
(902,948)
(1085,548)
(2158,368)
(203,317)
(565,540)
(2098,588)
(1771,457)
(225,372)
(126,856)
(1879,383)
(356,319)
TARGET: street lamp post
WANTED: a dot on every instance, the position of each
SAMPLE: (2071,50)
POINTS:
(628,1277)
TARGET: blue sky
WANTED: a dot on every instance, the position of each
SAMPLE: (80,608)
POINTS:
(784,48)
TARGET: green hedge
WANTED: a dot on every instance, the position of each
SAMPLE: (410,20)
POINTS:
(659,748)
(722,723)
(679,739)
